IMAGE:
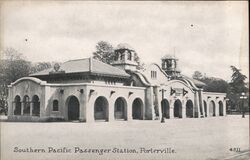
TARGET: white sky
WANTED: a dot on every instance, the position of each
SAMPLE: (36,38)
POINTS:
(206,36)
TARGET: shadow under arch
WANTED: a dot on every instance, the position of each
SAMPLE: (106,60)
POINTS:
(101,107)
(73,107)
(189,109)
(137,109)
(120,108)
(178,108)
(165,108)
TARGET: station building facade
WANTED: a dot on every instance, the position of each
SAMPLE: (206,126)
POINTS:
(88,90)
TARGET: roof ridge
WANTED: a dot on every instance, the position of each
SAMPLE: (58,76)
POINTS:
(77,59)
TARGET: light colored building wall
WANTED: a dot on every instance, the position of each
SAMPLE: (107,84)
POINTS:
(161,77)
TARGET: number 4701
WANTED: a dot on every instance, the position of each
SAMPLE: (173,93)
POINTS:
(234,149)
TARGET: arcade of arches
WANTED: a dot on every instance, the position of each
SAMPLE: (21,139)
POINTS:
(31,107)
(26,106)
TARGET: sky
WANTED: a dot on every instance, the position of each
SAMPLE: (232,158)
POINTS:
(204,36)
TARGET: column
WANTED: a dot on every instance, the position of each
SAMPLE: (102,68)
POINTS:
(184,108)
(224,107)
(202,111)
(12,109)
(31,107)
(217,107)
(148,105)
(83,100)
(196,105)
(129,111)
(171,107)
(156,109)
(90,105)
(22,105)
(111,112)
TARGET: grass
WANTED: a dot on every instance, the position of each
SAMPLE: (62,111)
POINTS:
(191,139)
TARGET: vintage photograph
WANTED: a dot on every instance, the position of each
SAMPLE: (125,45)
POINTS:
(127,80)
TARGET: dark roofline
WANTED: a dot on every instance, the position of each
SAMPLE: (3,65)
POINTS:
(82,73)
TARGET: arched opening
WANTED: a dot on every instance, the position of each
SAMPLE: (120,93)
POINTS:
(178,109)
(17,102)
(220,108)
(36,106)
(137,109)
(120,108)
(73,108)
(205,108)
(101,109)
(26,105)
(211,108)
(165,108)
(189,109)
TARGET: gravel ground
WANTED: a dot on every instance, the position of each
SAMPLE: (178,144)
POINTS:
(188,139)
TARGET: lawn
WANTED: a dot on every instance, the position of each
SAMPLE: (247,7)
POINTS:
(205,138)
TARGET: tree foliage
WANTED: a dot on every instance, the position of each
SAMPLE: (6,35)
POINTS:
(215,85)
(197,75)
(237,87)
(212,84)
(104,52)
(237,84)
(12,67)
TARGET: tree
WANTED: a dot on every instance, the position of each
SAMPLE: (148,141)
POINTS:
(237,86)
(104,52)
(215,85)
(197,75)
(12,67)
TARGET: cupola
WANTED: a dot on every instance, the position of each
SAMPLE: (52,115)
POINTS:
(169,65)
(125,57)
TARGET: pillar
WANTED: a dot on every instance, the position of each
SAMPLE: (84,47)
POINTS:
(12,108)
(201,105)
(129,110)
(196,105)
(148,109)
(31,107)
(171,109)
(157,105)
(224,107)
(82,100)
(22,105)
(90,106)
(184,108)
(111,112)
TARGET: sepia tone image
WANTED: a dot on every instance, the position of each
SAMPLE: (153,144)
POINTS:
(124,80)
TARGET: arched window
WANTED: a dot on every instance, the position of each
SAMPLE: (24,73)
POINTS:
(129,55)
(26,105)
(55,105)
(17,103)
(36,106)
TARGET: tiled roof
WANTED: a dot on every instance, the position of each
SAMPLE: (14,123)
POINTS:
(124,46)
(195,81)
(169,56)
(84,65)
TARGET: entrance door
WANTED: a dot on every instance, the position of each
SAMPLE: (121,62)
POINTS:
(178,109)
(137,109)
(73,108)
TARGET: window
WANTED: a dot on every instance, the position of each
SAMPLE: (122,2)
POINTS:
(129,55)
(55,105)
(153,74)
